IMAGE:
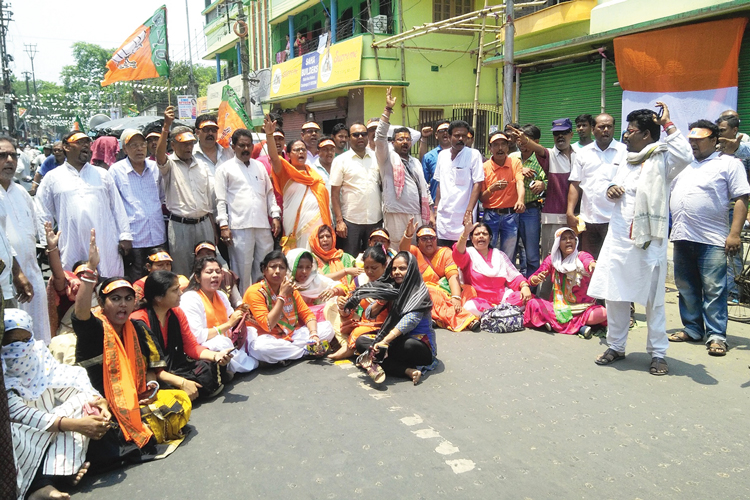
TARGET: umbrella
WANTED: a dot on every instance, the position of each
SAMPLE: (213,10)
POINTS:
(115,127)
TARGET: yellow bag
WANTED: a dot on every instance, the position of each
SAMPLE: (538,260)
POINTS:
(168,415)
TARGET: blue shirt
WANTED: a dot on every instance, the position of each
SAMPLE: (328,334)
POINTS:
(142,199)
(429,162)
(48,164)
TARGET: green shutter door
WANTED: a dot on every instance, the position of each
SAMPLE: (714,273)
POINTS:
(743,85)
(565,92)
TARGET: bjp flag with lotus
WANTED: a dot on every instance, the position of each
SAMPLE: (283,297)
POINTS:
(693,69)
(144,54)
(232,115)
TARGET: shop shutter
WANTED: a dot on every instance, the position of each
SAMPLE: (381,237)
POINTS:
(613,100)
(563,92)
(743,85)
(293,125)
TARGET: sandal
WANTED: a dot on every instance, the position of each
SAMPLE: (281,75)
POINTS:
(609,356)
(658,366)
(681,336)
(717,348)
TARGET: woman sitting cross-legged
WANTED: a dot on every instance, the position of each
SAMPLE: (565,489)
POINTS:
(355,323)
(333,262)
(190,366)
(287,329)
(213,321)
(54,411)
(120,358)
(405,346)
(316,290)
(493,276)
(571,310)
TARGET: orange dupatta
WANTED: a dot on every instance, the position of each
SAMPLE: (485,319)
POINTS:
(330,258)
(124,379)
(308,178)
(216,311)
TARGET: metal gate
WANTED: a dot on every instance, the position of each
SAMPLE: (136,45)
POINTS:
(489,118)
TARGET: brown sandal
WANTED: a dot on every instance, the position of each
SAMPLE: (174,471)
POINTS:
(609,356)
(681,336)
(658,366)
(717,348)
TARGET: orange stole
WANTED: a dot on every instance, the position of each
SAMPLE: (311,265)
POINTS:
(216,311)
(308,177)
(124,379)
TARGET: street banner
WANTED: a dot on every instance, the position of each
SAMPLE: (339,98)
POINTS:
(693,69)
(231,116)
(78,124)
(144,54)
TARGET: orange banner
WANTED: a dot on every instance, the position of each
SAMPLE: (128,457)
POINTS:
(687,58)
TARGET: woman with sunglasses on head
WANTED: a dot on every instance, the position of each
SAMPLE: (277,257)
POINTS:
(306,199)
(488,270)
(121,360)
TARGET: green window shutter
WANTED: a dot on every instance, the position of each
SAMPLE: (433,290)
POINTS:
(743,85)
(564,92)
(613,100)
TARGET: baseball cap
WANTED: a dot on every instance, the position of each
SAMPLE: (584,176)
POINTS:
(182,134)
(562,125)
(310,125)
(498,135)
(128,134)
(208,123)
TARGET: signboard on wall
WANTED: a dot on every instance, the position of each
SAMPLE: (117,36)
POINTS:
(339,63)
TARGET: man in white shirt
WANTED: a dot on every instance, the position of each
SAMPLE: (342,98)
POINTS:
(355,192)
(459,173)
(590,176)
(82,197)
(703,238)
(207,150)
(188,192)
(326,154)
(137,181)
(311,136)
(245,201)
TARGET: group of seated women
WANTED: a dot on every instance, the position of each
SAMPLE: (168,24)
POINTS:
(141,364)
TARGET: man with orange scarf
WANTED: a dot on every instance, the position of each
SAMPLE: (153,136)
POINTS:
(332,262)
(440,274)
(119,359)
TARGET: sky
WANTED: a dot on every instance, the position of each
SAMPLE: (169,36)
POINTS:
(54,26)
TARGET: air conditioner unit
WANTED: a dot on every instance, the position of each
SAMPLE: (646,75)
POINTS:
(378,24)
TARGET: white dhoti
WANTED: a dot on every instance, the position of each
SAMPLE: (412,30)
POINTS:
(270,349)
(242,361)
(248,248)
(396,223)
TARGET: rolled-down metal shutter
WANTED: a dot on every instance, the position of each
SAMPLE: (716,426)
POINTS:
(743,85)
(562,92)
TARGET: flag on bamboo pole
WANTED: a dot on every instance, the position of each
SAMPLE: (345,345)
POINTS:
(670,65)
(232,115)
(144,54)
(78,124)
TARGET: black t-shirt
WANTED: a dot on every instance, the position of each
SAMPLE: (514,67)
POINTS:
(90,347)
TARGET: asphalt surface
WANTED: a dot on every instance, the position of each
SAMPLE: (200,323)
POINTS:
(526,415)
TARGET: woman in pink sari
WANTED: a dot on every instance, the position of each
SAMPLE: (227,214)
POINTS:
(488,270)
(571,310)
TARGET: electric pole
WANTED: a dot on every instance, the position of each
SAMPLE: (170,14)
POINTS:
(5,59)
(244,58)
(31,51)
(26,74)
(192,90)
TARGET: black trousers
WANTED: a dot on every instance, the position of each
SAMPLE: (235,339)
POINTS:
(592,238)
(135,264)
(356,237)
(404,352)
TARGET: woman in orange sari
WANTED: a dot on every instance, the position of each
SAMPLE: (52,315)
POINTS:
(354,324)
(306,200)
(333,262)
(440,274)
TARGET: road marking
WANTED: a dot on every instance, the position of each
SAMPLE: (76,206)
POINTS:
(416,419)
(426,433)
(461,465)
(446,448)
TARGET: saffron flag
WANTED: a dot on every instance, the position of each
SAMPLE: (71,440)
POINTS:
(693,69)
(144,54)
(78,124)
(232,115)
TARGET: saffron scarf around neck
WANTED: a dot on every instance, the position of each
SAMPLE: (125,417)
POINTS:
(124,379)
(309,178)
(325,255)
(216,311)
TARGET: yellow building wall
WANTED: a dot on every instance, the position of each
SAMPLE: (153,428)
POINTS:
(614,14)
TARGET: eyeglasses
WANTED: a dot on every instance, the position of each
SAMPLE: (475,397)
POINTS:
(4,156)
(631,131)
(358,134)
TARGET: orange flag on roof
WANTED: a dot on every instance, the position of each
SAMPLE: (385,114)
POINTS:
(144,54)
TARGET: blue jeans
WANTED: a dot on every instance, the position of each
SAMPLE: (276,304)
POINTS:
(529,227)
(505,230)
(734,266)
(700,273)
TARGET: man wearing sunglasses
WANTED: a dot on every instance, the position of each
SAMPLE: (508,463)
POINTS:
(81,197)
(355,192)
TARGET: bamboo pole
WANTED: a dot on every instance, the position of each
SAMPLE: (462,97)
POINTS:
(479,71)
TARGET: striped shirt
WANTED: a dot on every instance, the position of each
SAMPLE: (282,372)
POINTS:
(142,199)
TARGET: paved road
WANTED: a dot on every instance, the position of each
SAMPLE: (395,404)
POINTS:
(523,415)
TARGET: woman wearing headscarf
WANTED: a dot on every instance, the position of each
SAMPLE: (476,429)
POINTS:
(405,346)
(493,276)
(571,310)
(317,290)
(190,366)
(54,411)
(120,358)
(334,263)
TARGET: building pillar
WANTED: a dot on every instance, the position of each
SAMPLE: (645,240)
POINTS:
(291,37)
(334,16)
(218,68)
(239,56)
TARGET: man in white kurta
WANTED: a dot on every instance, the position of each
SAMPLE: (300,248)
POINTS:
(634,270)
(81,197)
(245,201)
(20,227)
